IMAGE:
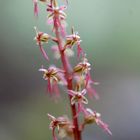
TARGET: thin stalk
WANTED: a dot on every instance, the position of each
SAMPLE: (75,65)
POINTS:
(76,131)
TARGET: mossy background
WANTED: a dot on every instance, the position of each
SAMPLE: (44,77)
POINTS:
(110,30)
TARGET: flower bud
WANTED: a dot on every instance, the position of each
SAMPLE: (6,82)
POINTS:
(44,37)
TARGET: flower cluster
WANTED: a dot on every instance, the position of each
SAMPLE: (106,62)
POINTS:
(75,80)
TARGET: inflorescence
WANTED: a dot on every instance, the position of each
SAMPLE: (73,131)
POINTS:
(76,80)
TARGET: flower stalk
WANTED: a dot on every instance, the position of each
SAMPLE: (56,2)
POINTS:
(77,133)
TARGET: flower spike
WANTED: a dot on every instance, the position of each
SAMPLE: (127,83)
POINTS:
(76,80)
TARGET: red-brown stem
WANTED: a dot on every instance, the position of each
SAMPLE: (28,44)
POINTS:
(68,75)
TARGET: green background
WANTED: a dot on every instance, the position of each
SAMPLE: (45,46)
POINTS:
(110,30)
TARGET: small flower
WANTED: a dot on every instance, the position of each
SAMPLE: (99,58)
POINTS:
(57,122)
(56,11)
(73,39)
(62,124)
(95,117)
(79,98)
(40,39)
(56,15)
(83,67)
(54,76)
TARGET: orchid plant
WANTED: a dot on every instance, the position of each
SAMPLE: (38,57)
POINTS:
(76,80)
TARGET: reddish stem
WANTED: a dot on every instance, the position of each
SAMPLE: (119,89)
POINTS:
(76,131)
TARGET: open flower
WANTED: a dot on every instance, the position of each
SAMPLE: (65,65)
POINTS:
(82,68)
(40,39)
(73,39)
(56,15)
(95,117)
(79,98)
(63,125)
(54,76)
(56,11)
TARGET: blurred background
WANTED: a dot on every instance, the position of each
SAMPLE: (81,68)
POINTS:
(110,30)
